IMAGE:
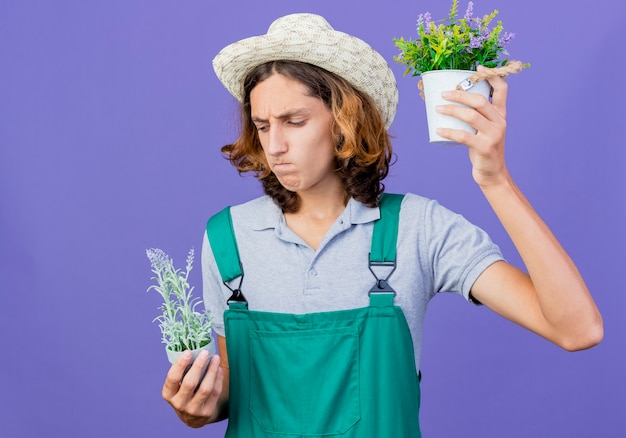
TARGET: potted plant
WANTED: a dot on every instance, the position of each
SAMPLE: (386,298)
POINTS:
(447,55)
(183,326)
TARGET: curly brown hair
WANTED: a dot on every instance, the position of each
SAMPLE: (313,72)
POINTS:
(363,151)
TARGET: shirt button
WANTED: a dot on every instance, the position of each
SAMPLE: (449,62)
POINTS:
(312,272)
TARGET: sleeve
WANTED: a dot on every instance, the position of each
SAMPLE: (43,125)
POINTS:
(215,294)
(459,251)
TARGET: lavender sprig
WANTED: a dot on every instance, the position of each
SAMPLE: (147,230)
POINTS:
(182,326)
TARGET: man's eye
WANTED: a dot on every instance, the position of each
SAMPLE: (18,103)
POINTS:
(261,128)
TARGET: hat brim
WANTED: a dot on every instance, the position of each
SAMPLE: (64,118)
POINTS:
(309,38)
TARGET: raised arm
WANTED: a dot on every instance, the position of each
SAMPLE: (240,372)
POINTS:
(552,300)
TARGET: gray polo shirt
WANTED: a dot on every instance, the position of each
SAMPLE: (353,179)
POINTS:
(437,251)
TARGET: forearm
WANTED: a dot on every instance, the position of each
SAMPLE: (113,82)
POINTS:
(560,291)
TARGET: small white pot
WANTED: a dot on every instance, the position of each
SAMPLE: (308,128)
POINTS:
(173,356)
(437,81)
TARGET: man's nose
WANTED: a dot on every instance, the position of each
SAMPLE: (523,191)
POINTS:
(277,142)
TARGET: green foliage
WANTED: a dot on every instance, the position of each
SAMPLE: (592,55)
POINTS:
(182,327)
(461,44)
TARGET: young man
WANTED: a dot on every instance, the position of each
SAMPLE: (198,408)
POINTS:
(310,347)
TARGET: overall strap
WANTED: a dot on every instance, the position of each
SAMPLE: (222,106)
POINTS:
(385,233)
(223,242)
(384,240)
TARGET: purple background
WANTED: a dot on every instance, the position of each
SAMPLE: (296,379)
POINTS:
(111,121)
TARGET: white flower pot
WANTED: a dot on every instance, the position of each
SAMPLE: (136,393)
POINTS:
(173,356)
(437,81)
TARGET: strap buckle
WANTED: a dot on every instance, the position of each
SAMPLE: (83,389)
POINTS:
(237,295)
(382,285)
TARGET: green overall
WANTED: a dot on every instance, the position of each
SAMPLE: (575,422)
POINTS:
(346,373)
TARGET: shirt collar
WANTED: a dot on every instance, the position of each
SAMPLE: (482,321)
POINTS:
(270,216)
(360,213)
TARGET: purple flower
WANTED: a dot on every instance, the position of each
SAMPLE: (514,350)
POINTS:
(158,258)
(424,20)
(469,11)
(476,42)
(506,38)
(474,23)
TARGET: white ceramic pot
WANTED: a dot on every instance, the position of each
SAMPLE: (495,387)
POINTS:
(437,81)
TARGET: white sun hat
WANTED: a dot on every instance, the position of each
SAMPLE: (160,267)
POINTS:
(309,38)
